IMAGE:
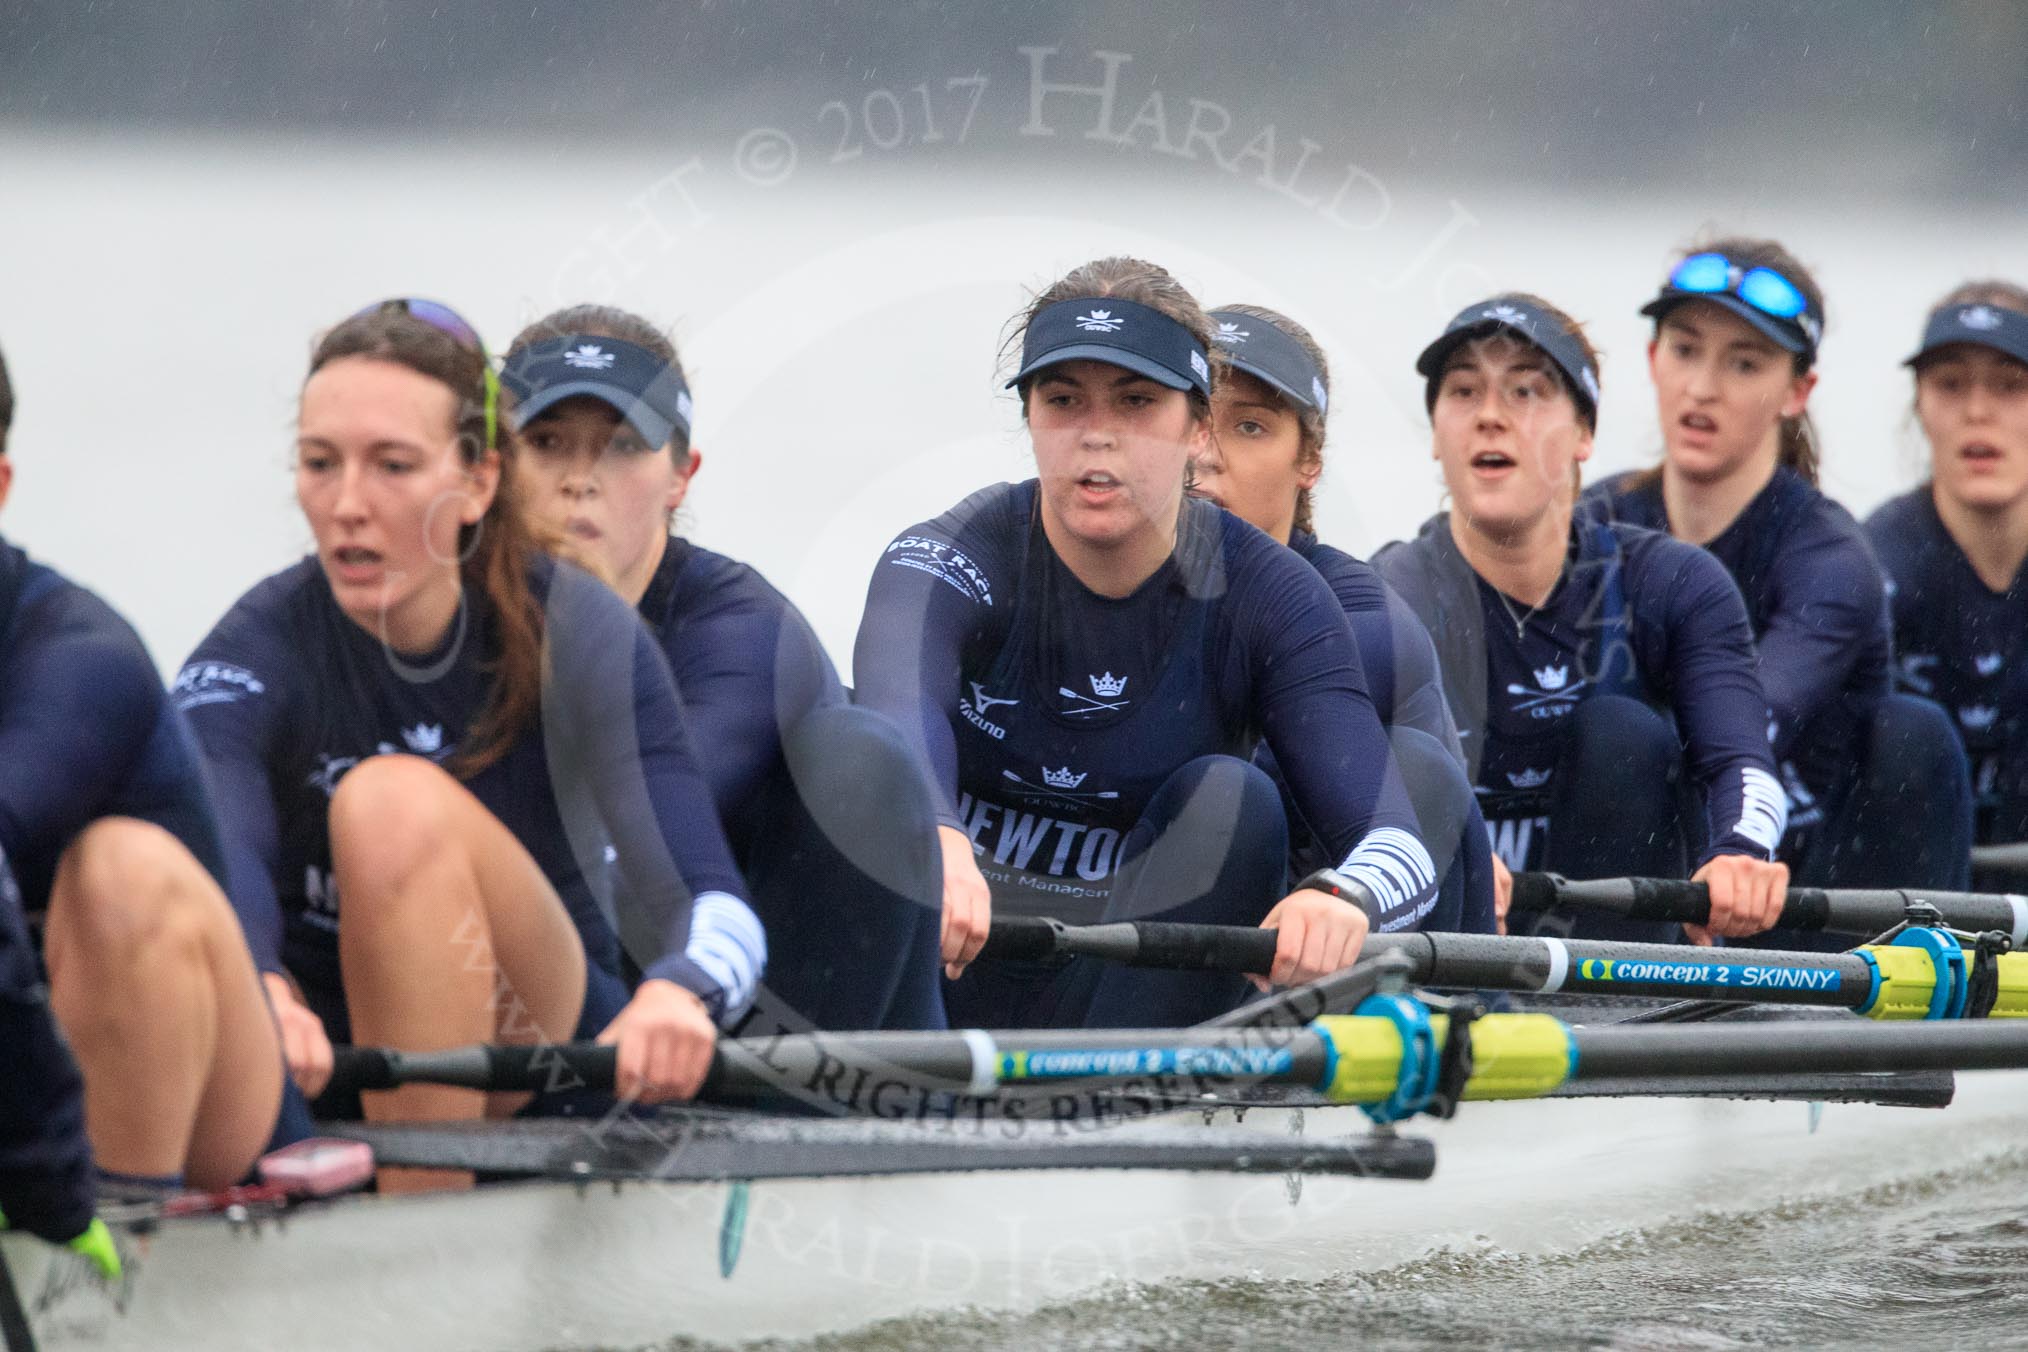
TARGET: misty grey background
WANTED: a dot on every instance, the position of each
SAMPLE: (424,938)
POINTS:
(188,192)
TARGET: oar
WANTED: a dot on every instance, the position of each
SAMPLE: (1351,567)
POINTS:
(1857,911)
(1899,981)
(2011,857)
(1364,1059)
(1135,943)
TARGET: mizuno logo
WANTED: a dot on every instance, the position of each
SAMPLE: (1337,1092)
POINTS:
(1061,779)
(983,701)
(1320,395)
(1982,317)
(1200,366)
(1100,321)
(1108,686)
(589,357)
(1230,334)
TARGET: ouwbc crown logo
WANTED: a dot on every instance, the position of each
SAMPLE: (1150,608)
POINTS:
(1987,663)
(1108,686)
(1230,333)
(1982,317)
(1506,314)
(1100,321)
(1061,779)
(1978,717)
(1553,678)
(424,739)
(588,357)
(1528,779)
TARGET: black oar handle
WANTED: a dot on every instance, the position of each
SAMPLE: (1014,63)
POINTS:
(1135,943)
(553,1068)
(1862,912)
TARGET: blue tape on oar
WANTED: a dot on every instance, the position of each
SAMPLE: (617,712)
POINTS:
(1420,1063)
(1952,987)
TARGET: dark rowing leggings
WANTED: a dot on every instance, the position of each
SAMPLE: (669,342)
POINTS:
(850,883)
(1217,819)
(1905,822)
(1616,810)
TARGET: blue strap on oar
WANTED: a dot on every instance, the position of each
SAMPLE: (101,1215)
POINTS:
(1421,1063)
(1951,993)
(1948,1001)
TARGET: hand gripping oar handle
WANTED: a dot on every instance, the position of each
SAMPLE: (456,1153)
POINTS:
(498,1068)
(1862,912)
(1135,943)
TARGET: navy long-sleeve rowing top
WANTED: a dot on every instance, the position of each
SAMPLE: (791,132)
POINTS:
(1395,650)
(1636,613)
(1962,644)
(287,694)
(748,667)
(1047,716)
(1818,606)
(86,732)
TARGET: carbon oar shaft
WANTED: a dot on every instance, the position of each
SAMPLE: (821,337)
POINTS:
(1481,962)
(1775,1048)
(1137,943)
(1351,1059)
(1862,912)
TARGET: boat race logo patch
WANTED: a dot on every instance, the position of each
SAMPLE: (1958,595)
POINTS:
(203,683)
(946,561)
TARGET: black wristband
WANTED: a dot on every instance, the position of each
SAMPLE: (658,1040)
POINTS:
(1345,889)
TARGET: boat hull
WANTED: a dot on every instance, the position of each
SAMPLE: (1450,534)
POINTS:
(544,1265)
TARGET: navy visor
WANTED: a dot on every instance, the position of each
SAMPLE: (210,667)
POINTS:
(1121,332)
(641,387)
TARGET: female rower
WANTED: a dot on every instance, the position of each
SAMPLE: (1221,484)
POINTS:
(1876,795)
(427,737)
(1953,548)
(1083,662)
(825,811)
(1264,459)
(1558,633)
(112,921)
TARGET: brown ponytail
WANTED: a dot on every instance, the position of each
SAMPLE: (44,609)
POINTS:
(496,554)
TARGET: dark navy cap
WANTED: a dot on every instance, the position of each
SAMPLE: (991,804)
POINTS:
(648,392)
(1265,351)
(1121,332)
(1981,324)
(1513,315)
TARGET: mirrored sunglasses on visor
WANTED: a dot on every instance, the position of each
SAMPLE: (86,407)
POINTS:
(449,322)
(1761,288)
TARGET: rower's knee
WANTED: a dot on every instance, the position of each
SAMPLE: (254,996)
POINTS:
(391,818)
(126,889)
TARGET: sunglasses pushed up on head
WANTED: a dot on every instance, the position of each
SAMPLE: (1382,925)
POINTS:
(1763,288)
(453,325)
